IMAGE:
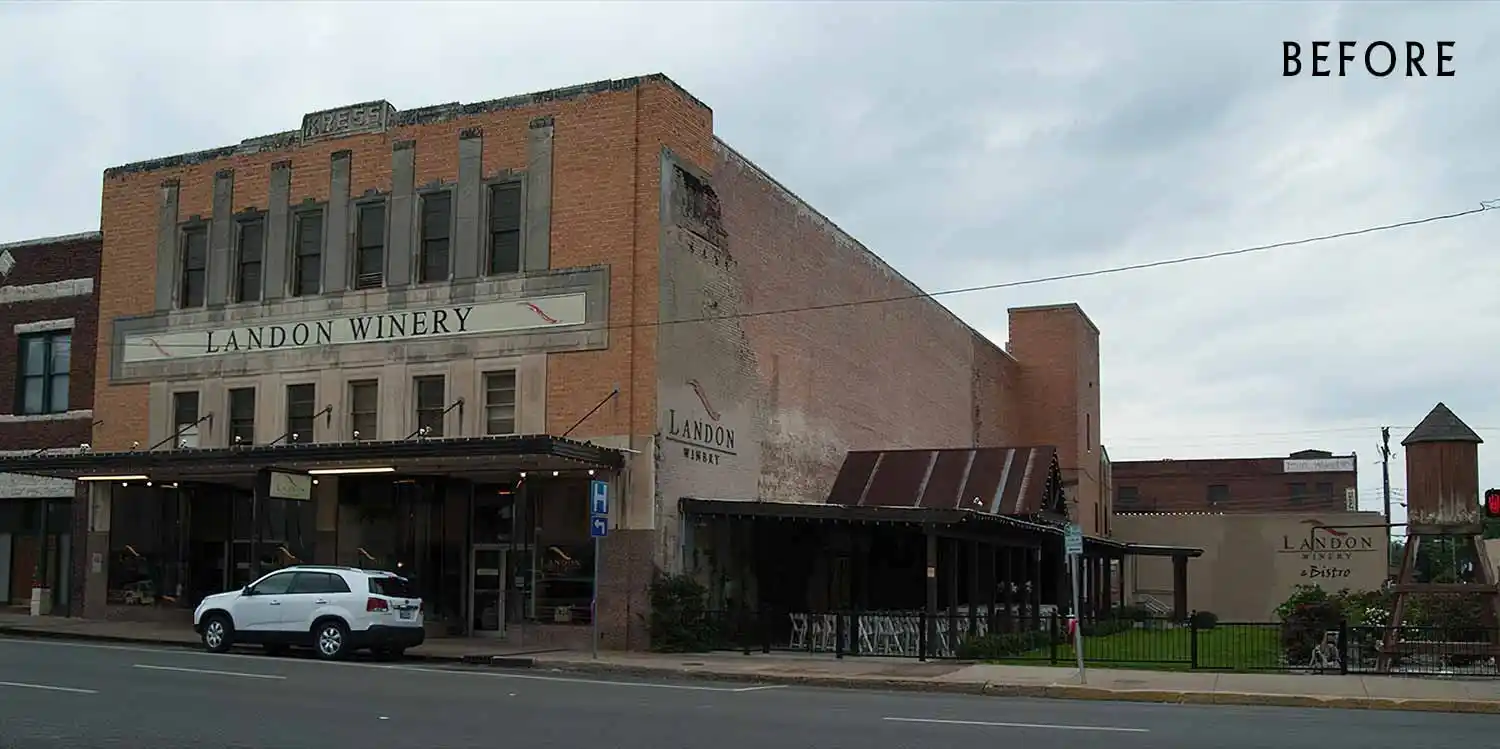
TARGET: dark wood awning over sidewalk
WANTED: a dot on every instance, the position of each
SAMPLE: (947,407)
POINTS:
(434,456)
(1016,481)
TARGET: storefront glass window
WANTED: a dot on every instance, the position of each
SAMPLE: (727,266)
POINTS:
(562,555)
(145,535)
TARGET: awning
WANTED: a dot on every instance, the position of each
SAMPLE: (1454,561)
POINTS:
(427,456)
(1020,481)
(855,514)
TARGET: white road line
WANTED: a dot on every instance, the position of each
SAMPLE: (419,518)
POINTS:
(209,672)
(46,687)
(989,724)
(169,650)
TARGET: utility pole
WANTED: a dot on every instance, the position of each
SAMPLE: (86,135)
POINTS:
(1385,473)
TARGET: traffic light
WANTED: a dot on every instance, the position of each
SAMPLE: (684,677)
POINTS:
(1492,504)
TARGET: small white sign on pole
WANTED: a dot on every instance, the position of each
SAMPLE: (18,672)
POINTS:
(1073,546)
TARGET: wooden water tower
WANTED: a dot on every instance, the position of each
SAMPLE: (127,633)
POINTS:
(1442,500)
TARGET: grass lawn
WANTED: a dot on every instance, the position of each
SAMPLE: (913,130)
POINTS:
(1227,647)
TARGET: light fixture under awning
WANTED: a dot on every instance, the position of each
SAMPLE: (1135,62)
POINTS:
(340,471)
(132,477)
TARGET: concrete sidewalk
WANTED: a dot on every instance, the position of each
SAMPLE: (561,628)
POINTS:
(1192,687)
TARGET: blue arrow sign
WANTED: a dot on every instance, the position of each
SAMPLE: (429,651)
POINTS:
(599,497)
(598,527)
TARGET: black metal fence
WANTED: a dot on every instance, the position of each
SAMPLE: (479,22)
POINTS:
(1124,640)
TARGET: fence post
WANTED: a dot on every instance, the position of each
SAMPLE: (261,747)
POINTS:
(1052,638)
(1193,640)
(1343,647)
(838,635)
(922,636)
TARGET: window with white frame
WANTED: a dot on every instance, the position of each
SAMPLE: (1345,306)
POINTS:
(500,402)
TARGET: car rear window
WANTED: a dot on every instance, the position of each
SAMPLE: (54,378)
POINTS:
(392,587)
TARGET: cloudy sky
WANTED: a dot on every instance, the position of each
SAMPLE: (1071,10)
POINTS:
(1038,139)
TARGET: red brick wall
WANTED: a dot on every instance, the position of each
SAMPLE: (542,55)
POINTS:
(74,257)
(1255,485)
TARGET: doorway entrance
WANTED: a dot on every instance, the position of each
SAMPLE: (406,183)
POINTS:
(487,590)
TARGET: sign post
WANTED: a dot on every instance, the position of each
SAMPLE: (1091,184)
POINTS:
(598,529)
(1073,546)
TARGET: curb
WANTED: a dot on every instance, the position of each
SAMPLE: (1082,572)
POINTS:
(1043,691)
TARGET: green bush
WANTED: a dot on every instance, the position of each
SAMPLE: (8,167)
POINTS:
(1002,645)
(1133,614)
(680,621)
(1306,617)
(1204,619)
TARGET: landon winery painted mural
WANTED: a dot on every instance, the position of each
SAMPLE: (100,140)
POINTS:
(702,438)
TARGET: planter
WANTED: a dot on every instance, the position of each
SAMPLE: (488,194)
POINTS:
(41,601)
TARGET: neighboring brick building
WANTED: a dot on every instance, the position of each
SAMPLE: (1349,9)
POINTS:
(1309,481)
(48,329)
(537,265)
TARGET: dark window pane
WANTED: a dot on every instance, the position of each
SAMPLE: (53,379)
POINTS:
(392,587)
(242,416)
(430,405)
(505,228)
(193,281)
(301,404)
(45,364)
(251,250)
(500,402)
(275,585)
(369,257)
(364,406)
(434,249)
(307,277)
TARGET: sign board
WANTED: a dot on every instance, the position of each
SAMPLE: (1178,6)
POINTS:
(598,527)
(599,497)
(1318,465)
(391,326)
(294,486)
(1073,540)
(1351,499)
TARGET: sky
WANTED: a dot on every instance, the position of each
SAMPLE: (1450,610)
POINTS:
(1033,140)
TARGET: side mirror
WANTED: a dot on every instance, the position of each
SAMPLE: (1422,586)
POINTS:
(246,591)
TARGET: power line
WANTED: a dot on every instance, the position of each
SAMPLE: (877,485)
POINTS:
(1484,206)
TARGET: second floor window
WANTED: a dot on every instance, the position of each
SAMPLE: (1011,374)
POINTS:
(252,242)
(436,212)
(307,266)
(46,359)
(242,416)
(193,283)
(1218,494)
(364,410)
(505,228)
(301,405)
(500,402)
(369,253)
(430,404)
(1296,492)
(185,419)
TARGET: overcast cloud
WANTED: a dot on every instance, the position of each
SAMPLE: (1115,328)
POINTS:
(964,142)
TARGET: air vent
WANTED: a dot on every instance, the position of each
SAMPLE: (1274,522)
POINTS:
(369,280)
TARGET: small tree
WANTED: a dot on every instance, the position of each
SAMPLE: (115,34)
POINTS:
(679,615)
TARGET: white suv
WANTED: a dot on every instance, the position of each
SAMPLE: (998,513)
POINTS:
(334,610)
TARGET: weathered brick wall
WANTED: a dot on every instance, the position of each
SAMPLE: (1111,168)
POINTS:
(71,258)
(1254,485)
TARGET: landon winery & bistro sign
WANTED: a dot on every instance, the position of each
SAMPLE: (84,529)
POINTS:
(1329,552)
(388,326)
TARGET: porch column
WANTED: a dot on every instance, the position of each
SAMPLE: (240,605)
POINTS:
(1124,561)
(987,580)
(1007,561)
(1179,588)
(972,551)
(954,547)
(1036,581)
(96,547)
(932,583)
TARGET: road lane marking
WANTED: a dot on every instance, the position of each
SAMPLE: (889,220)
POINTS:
(563,679)
(46,687)
(761,688)
(209,672)
(992,724)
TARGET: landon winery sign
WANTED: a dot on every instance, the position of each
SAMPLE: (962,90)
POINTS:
(1329,552)
(389,326)
(699,433)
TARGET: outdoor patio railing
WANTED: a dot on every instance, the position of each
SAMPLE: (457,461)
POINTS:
(1126,638)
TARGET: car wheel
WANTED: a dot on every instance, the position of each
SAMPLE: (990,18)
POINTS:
(331,639)
(218,633)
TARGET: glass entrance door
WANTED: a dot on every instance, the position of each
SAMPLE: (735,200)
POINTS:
(487,590)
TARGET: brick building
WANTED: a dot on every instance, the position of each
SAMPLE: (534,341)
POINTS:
(48,316)
(381,304)
(1303,482)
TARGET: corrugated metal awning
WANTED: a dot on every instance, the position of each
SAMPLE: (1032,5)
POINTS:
(1021,481)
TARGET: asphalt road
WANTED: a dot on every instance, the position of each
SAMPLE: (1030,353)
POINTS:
(55,695)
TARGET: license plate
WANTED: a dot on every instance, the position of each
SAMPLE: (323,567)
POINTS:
(406,614)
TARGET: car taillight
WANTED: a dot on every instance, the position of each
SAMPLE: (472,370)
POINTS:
(373,604)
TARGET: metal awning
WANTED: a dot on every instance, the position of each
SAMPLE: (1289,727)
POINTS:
(856,514)
(1018,481)
(426,456)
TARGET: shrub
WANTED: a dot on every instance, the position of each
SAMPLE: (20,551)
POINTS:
(679,616)
(1133,614)
(1002,645)
(1204,619)
(1306,617)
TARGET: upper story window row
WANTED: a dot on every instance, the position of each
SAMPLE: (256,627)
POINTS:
(308,247)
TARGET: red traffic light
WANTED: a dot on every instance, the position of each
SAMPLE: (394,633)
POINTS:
(1492,503)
